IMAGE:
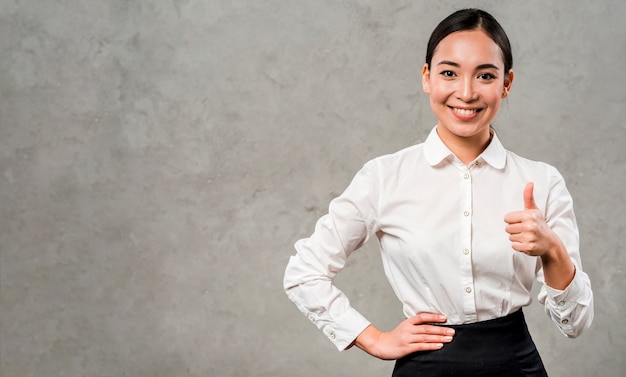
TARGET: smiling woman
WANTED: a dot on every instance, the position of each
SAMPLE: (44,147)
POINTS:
(466,86)
(470,76)
(464,227)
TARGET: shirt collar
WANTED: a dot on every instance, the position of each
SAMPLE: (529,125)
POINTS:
(495,154)
(436,151)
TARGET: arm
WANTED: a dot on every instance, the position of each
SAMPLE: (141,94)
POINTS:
(309,276)
(566,292)
(351,221)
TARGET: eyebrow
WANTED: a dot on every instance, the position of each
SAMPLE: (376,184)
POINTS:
(481,66)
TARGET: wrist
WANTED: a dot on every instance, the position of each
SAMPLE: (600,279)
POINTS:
(555,254)
(368,339)
(558,268)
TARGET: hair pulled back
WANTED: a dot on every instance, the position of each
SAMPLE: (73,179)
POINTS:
(471,19)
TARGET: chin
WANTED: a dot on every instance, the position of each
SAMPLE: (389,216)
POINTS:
(467,131)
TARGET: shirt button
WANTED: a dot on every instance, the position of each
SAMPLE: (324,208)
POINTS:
(565,321)
(466,176)
(332,335)
(312,317)
(561,303)
(465,251)
(466,213)
(468,290)
(476,163)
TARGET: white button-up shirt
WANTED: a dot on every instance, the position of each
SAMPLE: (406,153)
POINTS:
(440,226)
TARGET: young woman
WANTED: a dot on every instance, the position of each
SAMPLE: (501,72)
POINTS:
(464,226)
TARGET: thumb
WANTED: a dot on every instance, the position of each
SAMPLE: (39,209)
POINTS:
(529,198)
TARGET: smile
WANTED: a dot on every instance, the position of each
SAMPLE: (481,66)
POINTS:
(465,112)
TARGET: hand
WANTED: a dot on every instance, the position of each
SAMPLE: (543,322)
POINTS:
(528,230)
(530,234)
(411,335)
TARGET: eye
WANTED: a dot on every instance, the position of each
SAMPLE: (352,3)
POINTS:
(448,74)
(486,76)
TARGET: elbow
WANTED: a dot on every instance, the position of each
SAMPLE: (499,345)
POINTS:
(294,275)
(288,283)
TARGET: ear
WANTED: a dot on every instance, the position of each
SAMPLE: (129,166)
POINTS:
(426,79)
(508,83)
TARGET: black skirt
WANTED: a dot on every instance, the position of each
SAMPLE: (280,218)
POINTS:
(495,348)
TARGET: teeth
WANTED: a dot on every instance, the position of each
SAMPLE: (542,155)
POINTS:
(464,111)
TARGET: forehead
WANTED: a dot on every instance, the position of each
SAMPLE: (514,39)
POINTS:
(469,47)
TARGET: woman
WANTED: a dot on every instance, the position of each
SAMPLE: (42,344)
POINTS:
(464,228)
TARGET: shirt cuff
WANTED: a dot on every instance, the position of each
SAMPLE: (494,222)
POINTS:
(345,329)
(568,297)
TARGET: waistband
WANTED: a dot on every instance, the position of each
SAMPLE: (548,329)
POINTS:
(492,348)
(516,317)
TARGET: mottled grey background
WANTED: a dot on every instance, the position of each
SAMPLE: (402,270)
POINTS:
(158,159)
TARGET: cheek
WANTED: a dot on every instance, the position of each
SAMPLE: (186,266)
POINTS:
(493,97)
(496,100)
(439,92)
(437,101)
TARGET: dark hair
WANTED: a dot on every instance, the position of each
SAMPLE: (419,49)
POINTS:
(471,19)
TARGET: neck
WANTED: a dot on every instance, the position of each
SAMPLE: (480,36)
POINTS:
(466,149)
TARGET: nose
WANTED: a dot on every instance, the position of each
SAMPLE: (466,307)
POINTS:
(465,90)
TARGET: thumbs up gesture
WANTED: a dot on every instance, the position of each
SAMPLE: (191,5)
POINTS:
(528,230)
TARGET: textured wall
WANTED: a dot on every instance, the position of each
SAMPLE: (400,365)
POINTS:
(158,159)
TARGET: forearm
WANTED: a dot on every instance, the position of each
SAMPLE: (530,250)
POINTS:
(367,339)
(558,268)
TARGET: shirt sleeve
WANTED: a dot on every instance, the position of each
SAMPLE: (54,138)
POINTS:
(571,309)
(309,275)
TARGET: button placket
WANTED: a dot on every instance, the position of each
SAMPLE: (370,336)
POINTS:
(468,197)
(467,278)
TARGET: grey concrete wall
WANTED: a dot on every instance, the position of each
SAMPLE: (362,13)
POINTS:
(158,159)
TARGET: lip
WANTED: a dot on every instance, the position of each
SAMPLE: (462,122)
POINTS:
(465,113)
